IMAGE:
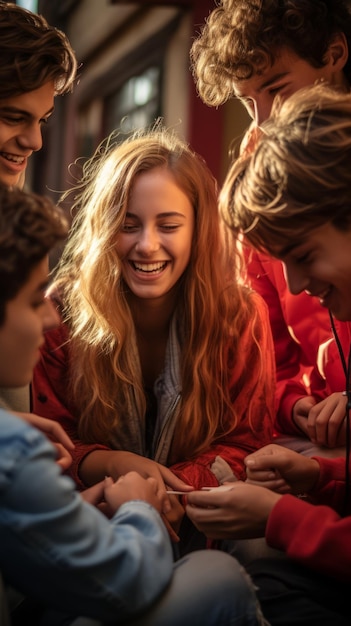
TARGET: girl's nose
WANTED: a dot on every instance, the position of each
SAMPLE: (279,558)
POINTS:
(148,242)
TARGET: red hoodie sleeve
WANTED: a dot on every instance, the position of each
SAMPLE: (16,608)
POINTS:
(296,337)
(315,535)
(249,382)
(50,396)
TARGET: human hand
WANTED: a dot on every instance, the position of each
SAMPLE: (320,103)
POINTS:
(326,422)
(115,463)
(132,486)
(58,437)
(165,479)
(95,495)
(63,458)
(281,470)
(301,410)
(238,513)
(175,514)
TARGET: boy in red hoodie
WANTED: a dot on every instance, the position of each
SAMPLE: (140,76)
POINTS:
(265,48)
(291,198)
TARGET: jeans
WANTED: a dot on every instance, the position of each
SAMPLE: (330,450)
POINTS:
(209,588)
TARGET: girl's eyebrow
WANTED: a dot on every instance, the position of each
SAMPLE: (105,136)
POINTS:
(165,214)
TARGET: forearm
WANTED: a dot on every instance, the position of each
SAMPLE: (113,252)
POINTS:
(100,463)
(313,535)
(71,556)
(288,393)
(106,570)
(330,487)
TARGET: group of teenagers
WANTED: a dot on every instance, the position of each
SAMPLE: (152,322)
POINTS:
(185,454)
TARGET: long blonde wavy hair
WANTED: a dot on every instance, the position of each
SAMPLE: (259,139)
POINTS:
(212,308)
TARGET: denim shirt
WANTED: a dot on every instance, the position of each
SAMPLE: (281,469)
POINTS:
(61,550)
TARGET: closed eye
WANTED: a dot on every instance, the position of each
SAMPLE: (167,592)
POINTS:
(304,258)
(13,119)
(275,90)
(129,228)
(170,227)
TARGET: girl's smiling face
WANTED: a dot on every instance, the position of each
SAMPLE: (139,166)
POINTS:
(155,242)
(321,266)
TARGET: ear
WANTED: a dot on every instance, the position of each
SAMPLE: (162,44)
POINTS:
(337,53)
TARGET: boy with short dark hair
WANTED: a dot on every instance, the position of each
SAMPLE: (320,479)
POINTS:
(36,64)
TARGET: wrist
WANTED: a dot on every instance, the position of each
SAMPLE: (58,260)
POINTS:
(312,475)
(98,464)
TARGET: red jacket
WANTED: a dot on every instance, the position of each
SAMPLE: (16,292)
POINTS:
(307,359)
(316,535)
(50,398)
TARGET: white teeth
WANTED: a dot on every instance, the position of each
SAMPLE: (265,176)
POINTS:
(12,157)
(149,267)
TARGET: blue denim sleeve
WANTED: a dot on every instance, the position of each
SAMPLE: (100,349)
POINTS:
(63,551)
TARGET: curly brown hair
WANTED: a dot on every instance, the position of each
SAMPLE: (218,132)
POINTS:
(32,53)
(243,36)
(30,226)
(299,176)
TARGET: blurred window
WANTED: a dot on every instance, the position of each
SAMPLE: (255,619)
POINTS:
(31,5)
(136,104)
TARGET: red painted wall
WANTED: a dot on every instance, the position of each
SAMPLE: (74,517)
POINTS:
(205,123)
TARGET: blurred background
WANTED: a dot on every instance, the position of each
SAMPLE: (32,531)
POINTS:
(134,69)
